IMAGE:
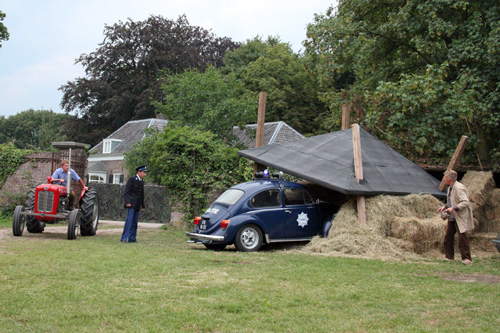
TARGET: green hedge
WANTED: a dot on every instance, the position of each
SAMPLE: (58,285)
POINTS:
(157,200)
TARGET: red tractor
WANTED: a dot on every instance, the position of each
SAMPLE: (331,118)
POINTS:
(49,203)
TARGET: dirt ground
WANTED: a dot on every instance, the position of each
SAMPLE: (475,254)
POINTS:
(59,231)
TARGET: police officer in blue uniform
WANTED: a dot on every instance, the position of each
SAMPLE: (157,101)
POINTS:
(134,201)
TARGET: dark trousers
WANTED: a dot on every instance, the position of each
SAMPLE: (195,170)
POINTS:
(463,242)
(130,228)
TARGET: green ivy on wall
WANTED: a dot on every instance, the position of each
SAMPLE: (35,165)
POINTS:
(10,160)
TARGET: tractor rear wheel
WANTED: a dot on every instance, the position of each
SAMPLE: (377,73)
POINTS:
(18,221)
(32,224)
(73,223)
(90,213)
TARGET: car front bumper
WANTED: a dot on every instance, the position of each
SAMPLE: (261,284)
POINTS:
(205,237)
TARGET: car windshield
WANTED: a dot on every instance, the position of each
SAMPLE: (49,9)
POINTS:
(230,197)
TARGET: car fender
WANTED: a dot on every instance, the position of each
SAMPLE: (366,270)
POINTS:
(238,221)
(326,228)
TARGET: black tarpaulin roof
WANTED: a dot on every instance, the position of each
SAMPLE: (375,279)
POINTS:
(328,160)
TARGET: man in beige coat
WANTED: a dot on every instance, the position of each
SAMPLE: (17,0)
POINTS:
(461,219)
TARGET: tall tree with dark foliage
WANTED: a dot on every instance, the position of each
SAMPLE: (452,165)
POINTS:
(121,74)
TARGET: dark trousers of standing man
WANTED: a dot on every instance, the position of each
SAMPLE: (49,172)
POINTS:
(463,242)
(130,227)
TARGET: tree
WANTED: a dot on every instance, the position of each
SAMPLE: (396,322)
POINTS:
(273,67)
(192,164)
(121,75)
(419,73)
(209,101)
(4,34)
(32,129)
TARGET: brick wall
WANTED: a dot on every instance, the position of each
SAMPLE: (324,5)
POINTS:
(33,172)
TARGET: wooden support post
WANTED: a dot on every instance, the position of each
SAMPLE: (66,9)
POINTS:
(346,116)
(455,160)
(358,170)
(261,117)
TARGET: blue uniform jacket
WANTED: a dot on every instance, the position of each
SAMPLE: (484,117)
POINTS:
(134,193)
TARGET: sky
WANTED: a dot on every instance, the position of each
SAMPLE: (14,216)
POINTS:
(46,37)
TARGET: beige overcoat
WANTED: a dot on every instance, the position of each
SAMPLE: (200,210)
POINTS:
(459,198)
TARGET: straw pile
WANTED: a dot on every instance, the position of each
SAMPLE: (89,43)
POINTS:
(397,227)
(409,226)
(485,200)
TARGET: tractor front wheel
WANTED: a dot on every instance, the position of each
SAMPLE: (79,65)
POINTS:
(32,224)
(90,213)
(74,223)
(18,221)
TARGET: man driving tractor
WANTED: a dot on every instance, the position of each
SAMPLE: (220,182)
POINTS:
(61,175)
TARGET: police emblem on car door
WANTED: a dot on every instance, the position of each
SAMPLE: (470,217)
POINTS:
(300,214)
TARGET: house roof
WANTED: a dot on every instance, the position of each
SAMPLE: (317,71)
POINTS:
(96,167)
(328,160)
(274,132)
(129,134)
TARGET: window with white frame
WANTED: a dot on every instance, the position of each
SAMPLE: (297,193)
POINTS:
(96,178)
(108,145)
(117,178)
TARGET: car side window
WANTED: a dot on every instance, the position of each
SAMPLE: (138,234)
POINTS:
(297,196)
(270,198)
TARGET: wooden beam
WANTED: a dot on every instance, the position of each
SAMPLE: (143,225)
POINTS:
(356,149)
(346,116)
(261,119)
(361,204)
(358,170)
(455,160)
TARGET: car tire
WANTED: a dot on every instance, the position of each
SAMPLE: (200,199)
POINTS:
(18,221)
(249,238)
(215,247)
(74,223)
(90,213)
(32,224)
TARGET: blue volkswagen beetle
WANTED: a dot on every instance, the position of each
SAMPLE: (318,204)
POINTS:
(263,211)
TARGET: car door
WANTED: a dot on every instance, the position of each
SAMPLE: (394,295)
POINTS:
(300,213)
(267,207)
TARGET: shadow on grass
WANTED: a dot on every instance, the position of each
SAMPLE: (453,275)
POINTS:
(273,247)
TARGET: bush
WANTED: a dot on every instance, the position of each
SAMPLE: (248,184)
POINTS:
(192,164)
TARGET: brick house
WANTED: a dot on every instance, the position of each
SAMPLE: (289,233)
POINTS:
(105,162)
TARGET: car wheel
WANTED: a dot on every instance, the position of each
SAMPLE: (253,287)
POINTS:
(215,247)
(74,223)
(18,221)
(248,238)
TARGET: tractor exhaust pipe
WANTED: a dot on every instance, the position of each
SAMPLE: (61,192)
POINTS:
(68,181)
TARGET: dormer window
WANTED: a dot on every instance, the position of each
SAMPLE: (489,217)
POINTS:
(108,145)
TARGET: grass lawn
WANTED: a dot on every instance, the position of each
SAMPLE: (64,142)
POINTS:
(163,284)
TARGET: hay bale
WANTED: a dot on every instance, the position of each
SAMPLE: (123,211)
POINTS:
(349,238)
(491,221)
(423,234)
(480,186)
